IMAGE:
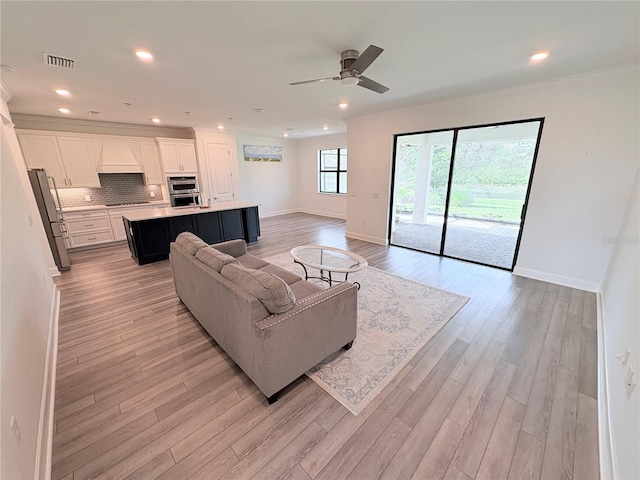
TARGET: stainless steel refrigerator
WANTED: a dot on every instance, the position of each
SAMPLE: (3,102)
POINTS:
(44,189)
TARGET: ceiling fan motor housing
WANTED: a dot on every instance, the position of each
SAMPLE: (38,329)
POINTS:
(348,76)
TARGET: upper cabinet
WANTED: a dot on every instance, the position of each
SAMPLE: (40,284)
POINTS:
(68,159)
(151,163)
(74,160)
(178,156)
(78,162)
(41,151)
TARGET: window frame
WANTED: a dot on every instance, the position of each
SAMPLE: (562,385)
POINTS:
(338,170)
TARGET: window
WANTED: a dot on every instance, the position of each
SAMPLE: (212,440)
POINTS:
(332,171)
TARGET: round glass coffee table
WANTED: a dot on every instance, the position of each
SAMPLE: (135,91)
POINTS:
(328,260)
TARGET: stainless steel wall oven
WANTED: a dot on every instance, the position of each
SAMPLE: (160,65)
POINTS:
(184,191)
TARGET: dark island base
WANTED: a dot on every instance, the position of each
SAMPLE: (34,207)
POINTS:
(149,239)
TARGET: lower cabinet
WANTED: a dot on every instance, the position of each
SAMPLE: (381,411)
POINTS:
(87,228)
(182,223)
(209,227)
(149,239)
(232,224)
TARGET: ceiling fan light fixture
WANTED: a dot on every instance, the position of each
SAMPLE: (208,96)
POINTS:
(349,81)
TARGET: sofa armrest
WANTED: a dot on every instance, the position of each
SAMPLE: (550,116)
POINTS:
(235,248)
(291,343)
(325,297)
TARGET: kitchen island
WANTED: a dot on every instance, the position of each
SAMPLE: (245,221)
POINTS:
(150,231)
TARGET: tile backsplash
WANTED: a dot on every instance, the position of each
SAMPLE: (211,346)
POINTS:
(116,188)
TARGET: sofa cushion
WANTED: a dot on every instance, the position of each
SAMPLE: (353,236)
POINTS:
(303,289)
(272,291)
(289,277)
(190,242)
(214,258)
(250,261)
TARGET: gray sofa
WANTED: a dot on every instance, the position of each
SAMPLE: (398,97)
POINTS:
(272,323)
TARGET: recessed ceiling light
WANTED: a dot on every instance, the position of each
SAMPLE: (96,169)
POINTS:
(285,134)
(220,127)
(63,92)
(64,110)
(155,120)
(143,55)
(343,105)
(539,56)
(325,127)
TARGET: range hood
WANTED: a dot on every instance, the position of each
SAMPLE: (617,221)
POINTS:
(116,157)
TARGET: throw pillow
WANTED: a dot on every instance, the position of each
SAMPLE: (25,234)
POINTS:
(272,291)
(190,242)
(214,258)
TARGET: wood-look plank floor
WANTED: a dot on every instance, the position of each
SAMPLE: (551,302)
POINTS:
(506,390)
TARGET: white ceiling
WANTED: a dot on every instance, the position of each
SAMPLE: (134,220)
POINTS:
(221,60)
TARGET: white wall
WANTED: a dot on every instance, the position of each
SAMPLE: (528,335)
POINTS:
(274,185)
(28,312)
(309,200)
(583,176)
(621,327)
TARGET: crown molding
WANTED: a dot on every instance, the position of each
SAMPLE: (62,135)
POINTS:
(556,83)
(36,122)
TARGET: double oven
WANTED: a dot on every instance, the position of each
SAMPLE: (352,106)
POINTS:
(184,191)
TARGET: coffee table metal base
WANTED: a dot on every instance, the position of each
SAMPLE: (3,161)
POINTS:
(325,277)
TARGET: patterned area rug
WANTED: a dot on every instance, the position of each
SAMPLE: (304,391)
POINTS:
(396,318)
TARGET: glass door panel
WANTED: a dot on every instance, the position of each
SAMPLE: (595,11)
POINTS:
(422,164)
(492,168)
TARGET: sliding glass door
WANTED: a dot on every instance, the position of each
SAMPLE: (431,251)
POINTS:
(421,177)
(462,193)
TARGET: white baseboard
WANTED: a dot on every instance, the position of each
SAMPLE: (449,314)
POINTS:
(45,426)
(54,272)
(605,441)
(557,279)
(367,238)
(281,212)
(323,214)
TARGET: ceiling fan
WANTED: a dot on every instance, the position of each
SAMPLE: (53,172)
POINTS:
(353,65)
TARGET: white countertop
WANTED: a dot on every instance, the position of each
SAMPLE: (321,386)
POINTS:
(102,207)
(151,213)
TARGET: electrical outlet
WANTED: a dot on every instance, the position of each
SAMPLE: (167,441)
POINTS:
(624,357)
(15,428)
(152,194)
(629,380)
(87,198)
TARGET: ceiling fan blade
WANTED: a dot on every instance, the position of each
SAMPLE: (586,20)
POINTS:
(371,85)
(315,80)
(366,58)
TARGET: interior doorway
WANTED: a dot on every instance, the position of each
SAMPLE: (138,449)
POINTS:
(462,192)
(219,174)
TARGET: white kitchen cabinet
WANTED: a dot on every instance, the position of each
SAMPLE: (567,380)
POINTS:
(41,151)
(178,156)
(78,162)
(151,163)
(68,159)
(86,228)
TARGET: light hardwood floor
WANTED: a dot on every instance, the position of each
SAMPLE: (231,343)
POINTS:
(506,390)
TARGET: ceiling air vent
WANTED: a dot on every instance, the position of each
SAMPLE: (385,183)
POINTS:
(58,61)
